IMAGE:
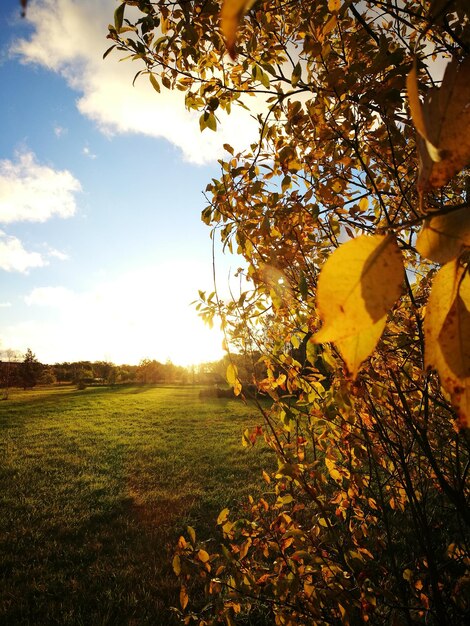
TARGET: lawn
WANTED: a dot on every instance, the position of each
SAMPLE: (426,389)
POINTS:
(96,487)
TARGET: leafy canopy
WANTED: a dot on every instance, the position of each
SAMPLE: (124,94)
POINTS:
(355,193)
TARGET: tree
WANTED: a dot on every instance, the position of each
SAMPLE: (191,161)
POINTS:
(30,370)
(47,376)
(354,196)
(150,371)
(8,372)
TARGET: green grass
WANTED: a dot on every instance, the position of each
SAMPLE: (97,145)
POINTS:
(97,485)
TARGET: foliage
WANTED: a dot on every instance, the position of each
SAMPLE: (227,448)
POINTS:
(8,372)
(355,192)
(30,370)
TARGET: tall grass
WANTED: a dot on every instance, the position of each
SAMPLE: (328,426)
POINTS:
(95,488)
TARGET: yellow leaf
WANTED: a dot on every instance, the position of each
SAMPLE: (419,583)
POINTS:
(230,15)
(330,25)
(358,285)
(177,565)
(334,473)
(416,107)
(223,515)
(344,615)
(442,238)
(357,348)
(192,534)
(454,340)
(443,122)
(407,574)
(334,5)
(203,556)
(443,293)
(231,374)
(244,549)
(309,588)
(447,334)
(364,203)
(183,597)
(246,438)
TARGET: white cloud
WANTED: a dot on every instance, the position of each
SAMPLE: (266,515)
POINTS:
(88,153)
(5,305)
(33,192)
(142,314)
(57,297)
(57,254)
(13,256)
(59,131)
(69,38)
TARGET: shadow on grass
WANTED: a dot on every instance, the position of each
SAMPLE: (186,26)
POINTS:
(113,569)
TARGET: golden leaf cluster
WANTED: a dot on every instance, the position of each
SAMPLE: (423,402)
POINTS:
(442,123)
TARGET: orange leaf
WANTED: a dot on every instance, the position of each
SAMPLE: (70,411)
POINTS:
(230,16)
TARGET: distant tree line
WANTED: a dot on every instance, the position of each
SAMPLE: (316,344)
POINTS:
(25,371)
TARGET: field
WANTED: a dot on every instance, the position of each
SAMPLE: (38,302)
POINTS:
(96,487)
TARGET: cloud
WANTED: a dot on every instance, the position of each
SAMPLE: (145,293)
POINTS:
(70,39)
(33,192)
(57,297)
(144,313)
(5,305)
(88,153)
(59,131)
(14,258)
(56,254)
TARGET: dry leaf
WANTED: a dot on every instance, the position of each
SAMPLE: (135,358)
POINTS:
(358,285)
(442,238)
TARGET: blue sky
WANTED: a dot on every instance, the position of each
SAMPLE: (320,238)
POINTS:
(101,244)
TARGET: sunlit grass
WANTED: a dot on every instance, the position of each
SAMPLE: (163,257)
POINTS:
(97,485)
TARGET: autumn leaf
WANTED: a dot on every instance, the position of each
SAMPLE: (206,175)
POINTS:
(231,13)
(443,293)
(455,333)
(454,340)
(154,83)
(334,473)
(119,16)
(416,107)
(232,379)
(442,238)
(192,534)
(184,597)
(443,122)
(358,285)
(223,516)
(203,556)
(357,348)
(447,334)
(177,564)
(231,374)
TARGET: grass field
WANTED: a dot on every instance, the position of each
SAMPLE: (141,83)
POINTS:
(96,487)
